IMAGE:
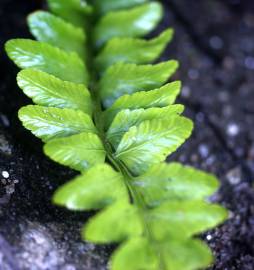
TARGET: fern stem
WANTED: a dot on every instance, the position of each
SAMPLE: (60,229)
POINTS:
(128,177)
(142,207)
(117,164)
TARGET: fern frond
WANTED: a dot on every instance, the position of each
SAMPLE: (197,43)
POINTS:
(104,110)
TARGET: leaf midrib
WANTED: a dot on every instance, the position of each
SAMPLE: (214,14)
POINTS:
(122,168)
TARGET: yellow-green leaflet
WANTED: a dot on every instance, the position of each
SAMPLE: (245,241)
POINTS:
(133,50)
(136,22)
(121,79)
(44,57)
(55,31)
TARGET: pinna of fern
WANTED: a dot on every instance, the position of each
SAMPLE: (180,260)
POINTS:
(103,109)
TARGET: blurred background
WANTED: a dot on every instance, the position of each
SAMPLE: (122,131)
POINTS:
(214,42)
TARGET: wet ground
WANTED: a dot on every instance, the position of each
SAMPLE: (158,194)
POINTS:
(214,43)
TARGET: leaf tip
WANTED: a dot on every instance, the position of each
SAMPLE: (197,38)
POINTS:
(9,46)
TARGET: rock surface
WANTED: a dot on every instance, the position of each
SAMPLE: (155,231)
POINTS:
(214,43)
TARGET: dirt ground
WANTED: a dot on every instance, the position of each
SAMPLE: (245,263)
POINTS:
(214,42)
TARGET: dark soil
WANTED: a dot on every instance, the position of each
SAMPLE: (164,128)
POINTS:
(214,43)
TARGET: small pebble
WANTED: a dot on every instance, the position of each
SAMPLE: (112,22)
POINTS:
(233,129)
(223,96)
(194,158)
(227,110)
(10,189)
(69,267)
(5,147)
(216,42)
(182,158)
(3,181)
(249,62)
(5,174)
(186,91)
(231,214)
(203,150)
(229,62)
(200,117)
(240,152)
(5,120)
(234,176)
(193,74)
(209,237)
(210,160)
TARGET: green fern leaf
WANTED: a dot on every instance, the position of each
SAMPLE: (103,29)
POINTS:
(134,254)
(130,50)
(109,5)
(74,11)
(48,28)
(162,136)
(42,56)
(186,255)
(90,191)
(138,254)
(184,218)
(164,96)
(125,119)
(102,228)
(47,90)
(79,152)
(173,182)
(50,123)
(136,22)
(121,79)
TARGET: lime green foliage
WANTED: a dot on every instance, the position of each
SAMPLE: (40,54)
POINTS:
(126,119)
(79,152)
(110,5)
(44,122)
(92,191)
(103,109)
(57,32)
(152,141)
(73,11)
(50,91)
(122,78)
(157,98)
(135,22)
(133,50)
(42,56)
